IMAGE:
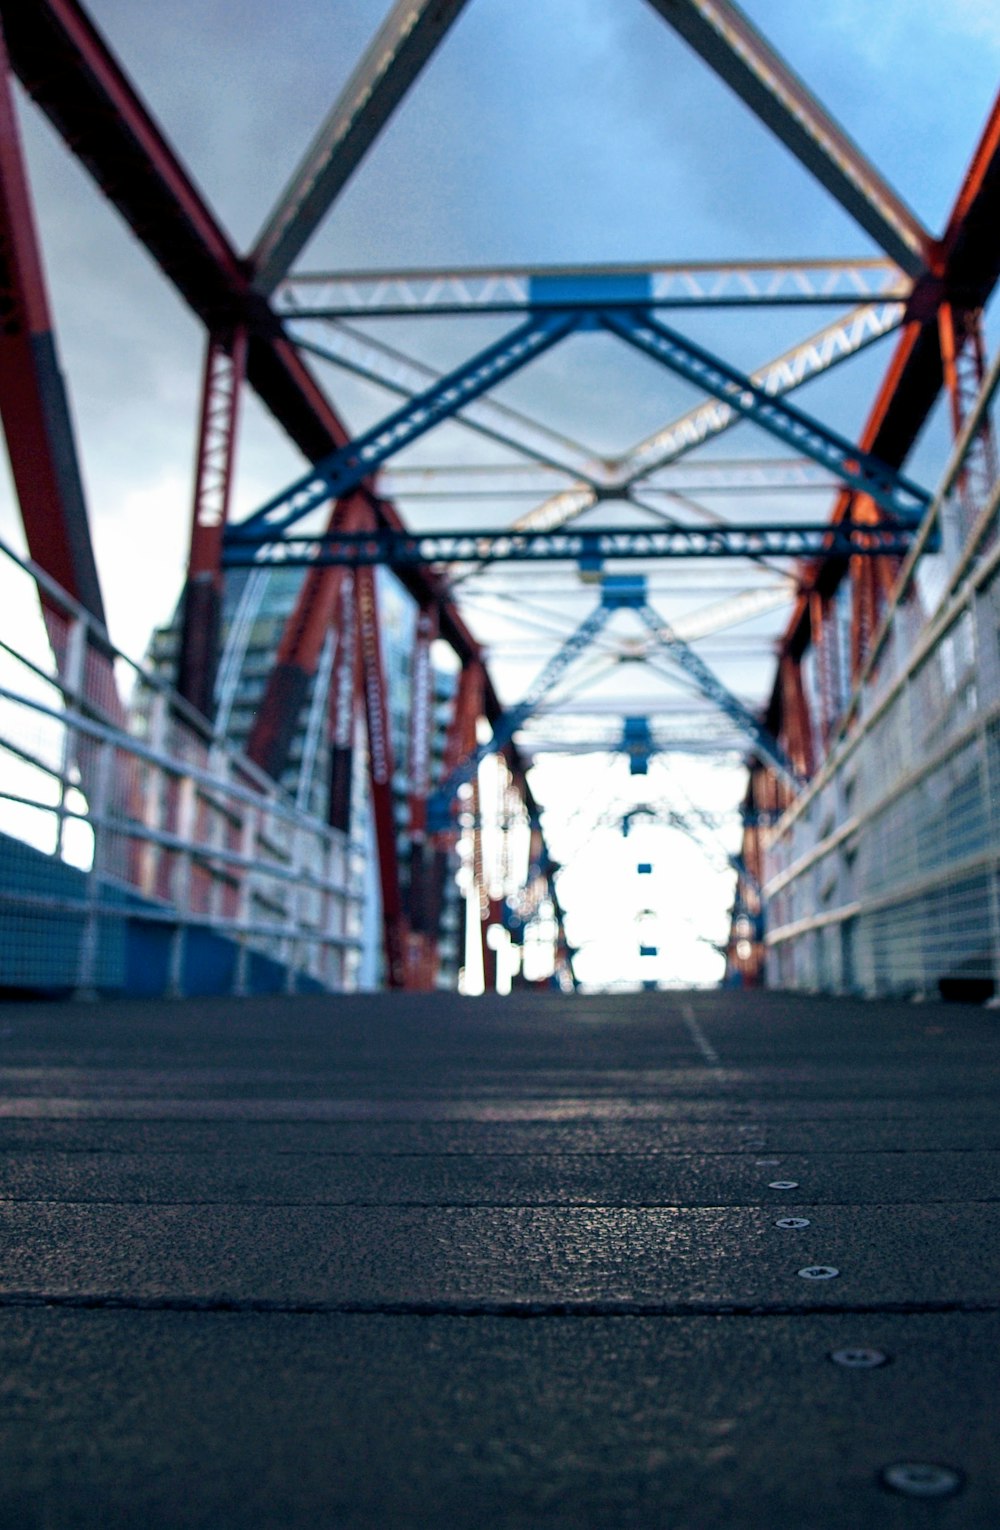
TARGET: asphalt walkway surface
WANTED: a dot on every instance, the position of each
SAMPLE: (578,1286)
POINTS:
(655,1260)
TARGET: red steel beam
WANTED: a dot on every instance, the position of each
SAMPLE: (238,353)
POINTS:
(66,66)
(313,615)
(967,271)
(201,604)
(380,772)
(420,741)
(344,686)
(33,402)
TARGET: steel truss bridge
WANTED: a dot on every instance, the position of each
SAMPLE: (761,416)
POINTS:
(837,570)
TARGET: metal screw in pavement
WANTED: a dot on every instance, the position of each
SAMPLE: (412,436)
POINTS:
(859,1359)
(922,1479)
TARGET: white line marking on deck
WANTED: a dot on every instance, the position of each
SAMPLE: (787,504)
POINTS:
(698,1036)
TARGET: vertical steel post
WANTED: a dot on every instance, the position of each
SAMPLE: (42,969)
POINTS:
(89,958)
(824,643)
(380,774)
(317,609)
(423,956)
(343,695)
(797,722)
(460,740)
(867,587)
(201,611)
(481,896)
(963,364)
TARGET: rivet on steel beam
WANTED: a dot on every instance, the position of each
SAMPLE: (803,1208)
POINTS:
(783,1184)
(819,1272)
(792,1222)
(859,1359)
(922,1479)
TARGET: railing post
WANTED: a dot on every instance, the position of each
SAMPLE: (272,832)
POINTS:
(74,660)
(244,910)
(181,882)
(88,962)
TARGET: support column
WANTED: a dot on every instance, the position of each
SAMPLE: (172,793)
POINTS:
(316,609)
(380,774)
(344,684)
(201,607)
(423,946)
(823,642)
(963,362)
(797,723)
(459,742)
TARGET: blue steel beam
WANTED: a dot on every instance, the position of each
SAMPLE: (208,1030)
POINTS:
(360,354)
(345,468)
(618,592)
(812,357)
(591,545)
(863,472)
(767,747)
(507,724)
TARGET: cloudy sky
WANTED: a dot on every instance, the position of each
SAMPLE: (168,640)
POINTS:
(554,131)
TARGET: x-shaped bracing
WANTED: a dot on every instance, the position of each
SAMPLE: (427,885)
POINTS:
(618,592)
(343,470)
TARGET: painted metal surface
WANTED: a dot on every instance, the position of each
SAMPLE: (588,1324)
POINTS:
(33,402)
(586,546)
(352,463)
(791,425)
(691,284)
(404,43)
(732,46)
(225,366)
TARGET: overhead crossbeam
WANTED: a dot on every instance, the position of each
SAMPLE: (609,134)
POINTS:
(736,395)
(680,284)
(347,467)
(505,480)
(589,546)
(398,52)
(719,32)
(789,424)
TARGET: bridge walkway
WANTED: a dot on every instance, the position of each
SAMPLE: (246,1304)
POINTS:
(410,1261)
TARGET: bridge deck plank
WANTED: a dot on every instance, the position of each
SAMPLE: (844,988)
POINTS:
(405,1262)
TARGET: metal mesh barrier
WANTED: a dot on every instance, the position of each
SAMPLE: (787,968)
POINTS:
(137,852)
(884,877)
